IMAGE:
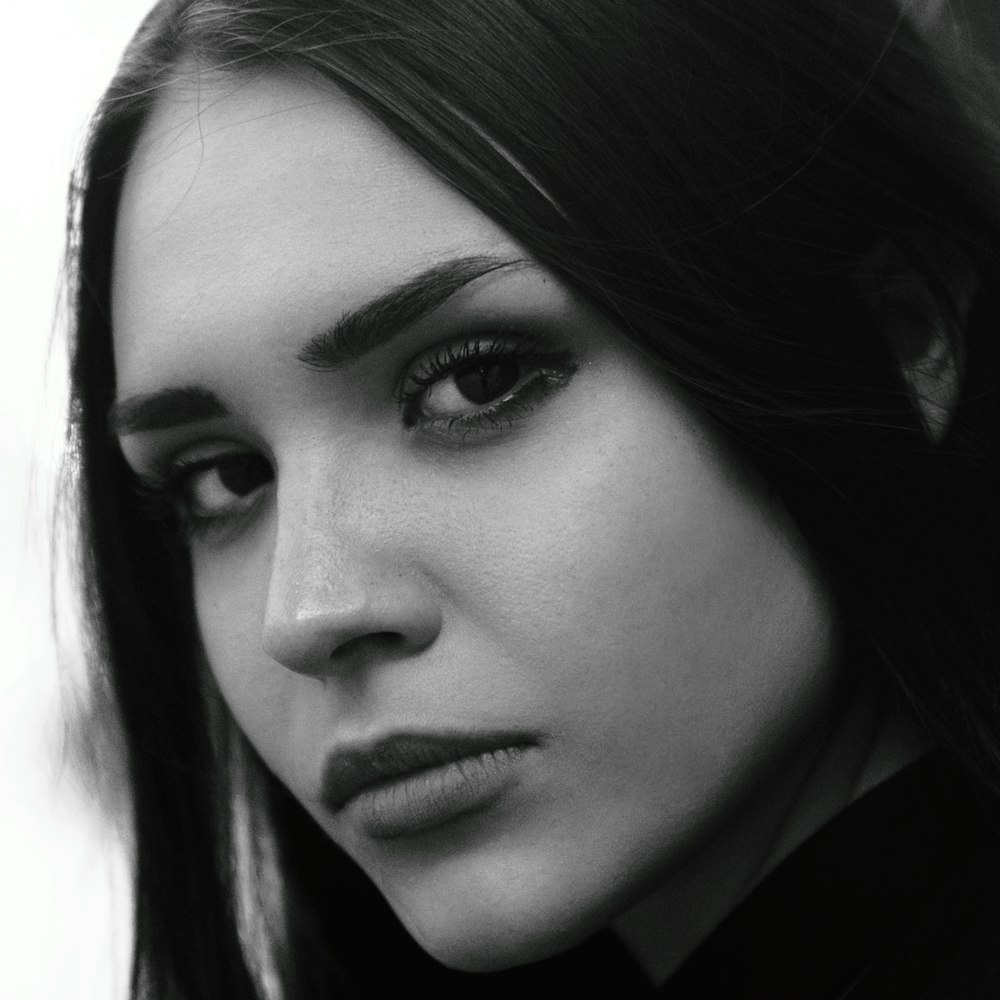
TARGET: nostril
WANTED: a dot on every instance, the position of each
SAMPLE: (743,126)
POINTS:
(369,642)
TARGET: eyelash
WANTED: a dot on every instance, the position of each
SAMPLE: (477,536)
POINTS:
(163,490)
(551,371)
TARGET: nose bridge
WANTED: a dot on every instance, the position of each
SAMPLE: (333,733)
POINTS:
(340,581)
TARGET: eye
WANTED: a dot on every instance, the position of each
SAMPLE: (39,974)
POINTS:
(202,491)
(475,385)
(481,384)
(218,489)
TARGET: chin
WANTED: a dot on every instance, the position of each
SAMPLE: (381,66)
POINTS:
(484,932)
(490,946)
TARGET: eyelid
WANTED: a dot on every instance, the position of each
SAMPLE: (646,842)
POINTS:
(161,483)
(470,346)
(552,363)
(156,464)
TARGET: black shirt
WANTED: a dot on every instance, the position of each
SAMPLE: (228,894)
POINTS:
(896,898)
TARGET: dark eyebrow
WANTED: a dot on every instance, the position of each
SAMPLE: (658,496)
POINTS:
(157,411)
(362,330)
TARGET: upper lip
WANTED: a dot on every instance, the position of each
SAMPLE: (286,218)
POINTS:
(351,769)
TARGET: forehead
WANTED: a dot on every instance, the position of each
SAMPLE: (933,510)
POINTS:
(269,203)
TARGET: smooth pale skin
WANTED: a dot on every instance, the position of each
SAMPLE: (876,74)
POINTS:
(605,574)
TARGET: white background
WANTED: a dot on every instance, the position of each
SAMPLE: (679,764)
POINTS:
(64,924)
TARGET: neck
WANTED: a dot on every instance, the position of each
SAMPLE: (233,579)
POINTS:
(868,742)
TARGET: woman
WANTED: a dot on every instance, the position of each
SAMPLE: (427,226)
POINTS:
(551,476)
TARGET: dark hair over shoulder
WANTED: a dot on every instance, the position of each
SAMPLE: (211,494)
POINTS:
(726,180)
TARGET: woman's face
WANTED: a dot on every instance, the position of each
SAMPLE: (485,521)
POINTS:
(494,602)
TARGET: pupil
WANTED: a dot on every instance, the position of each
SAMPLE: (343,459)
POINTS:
(483,383)
(242,474)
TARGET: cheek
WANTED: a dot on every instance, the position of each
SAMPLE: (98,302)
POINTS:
(650,598)
(640,549)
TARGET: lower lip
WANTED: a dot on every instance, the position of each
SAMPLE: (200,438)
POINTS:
(424,800)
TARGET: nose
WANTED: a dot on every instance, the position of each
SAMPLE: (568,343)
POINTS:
(333,602)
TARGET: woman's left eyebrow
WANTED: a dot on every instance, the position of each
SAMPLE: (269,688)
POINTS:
(362,330)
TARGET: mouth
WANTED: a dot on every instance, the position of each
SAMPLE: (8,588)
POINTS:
(411,783)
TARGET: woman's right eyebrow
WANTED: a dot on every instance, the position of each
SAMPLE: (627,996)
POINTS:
(358,332)
(163,409)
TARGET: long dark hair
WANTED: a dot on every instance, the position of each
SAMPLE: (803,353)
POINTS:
(716,176)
